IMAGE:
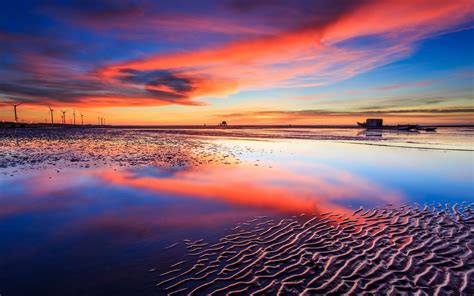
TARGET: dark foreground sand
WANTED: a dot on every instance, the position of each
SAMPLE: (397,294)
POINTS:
(25,150)
(405,250)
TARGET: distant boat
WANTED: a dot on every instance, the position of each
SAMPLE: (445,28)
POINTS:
(377,123)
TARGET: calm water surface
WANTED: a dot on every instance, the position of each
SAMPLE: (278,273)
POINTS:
(99,231)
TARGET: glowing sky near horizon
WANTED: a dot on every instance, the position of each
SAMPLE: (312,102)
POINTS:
(262,62)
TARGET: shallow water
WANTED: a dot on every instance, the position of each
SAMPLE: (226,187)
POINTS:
(99,230)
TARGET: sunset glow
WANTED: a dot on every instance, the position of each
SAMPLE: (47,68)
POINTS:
(247,62)
(236,147)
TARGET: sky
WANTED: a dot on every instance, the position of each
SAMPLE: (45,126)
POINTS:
(243,61)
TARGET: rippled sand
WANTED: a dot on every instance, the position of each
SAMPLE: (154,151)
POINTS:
(404,250)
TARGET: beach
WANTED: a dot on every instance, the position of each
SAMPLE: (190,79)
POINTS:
(156,211)
(390,250)
(236,147)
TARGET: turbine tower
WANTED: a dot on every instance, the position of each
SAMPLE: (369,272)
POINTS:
(64,116)
(74,115)
(82,119)
(14,110)
(52,117)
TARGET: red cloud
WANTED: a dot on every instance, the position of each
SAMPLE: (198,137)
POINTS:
(312,55)
(264,47)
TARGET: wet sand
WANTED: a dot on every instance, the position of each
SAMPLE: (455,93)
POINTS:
(28,149)
(392,250)
(25,150)
(406,250)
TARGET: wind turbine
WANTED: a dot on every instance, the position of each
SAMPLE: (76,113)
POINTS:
(14,109)
(64,116)
(52,117)
(82,119)
(74,115)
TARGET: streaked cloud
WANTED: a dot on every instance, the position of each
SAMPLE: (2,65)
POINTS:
(139,53)
(324,116)
(318,53)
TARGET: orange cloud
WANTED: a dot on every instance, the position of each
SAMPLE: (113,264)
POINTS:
(238,46)
(413,19)
(312,55)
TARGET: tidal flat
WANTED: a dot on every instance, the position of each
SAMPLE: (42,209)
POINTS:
(292,211)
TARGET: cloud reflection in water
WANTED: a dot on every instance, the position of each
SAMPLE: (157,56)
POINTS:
(325,189)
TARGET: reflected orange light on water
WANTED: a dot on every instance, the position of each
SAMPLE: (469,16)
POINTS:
(258,187)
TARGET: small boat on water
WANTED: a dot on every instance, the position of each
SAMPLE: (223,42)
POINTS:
(377,123)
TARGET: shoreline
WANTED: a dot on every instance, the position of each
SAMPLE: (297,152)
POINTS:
(10,125)
(25,148)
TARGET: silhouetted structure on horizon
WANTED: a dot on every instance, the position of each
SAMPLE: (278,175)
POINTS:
(64,116)
(377,123)
(52,117)
(374,122)
(14,110)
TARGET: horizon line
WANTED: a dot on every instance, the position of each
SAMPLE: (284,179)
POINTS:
(225,126)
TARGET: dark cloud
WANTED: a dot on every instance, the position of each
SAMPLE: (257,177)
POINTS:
(136,16)
(157,78)
(99,10)
(53,51)
(427,111)
(299,14)
(321,112)
(406,102)
(38,91)
(252,5)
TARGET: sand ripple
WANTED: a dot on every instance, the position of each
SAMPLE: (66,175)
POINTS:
(404,250)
